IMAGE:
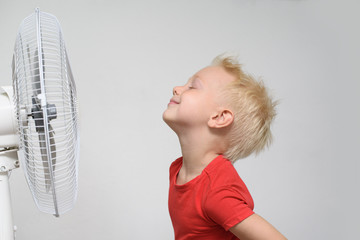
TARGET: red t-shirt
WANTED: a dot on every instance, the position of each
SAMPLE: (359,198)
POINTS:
(210,204)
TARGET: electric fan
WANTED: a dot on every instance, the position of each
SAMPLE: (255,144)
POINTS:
(39,121)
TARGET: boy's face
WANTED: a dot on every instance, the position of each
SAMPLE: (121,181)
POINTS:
(194,103)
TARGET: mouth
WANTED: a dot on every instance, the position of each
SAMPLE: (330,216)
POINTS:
(172,101)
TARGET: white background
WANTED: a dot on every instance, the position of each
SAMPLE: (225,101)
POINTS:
(127,55)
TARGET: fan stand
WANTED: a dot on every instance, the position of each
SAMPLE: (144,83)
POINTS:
(8,162)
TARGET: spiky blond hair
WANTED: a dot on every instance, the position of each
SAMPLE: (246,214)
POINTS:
(253,110)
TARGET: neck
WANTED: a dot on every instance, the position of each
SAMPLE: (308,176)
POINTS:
(198,150)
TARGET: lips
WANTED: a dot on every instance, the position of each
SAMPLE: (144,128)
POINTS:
(173,101)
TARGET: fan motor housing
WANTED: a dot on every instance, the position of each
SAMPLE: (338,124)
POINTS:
(8,128)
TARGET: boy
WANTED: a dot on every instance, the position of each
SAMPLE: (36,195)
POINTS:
(220,115)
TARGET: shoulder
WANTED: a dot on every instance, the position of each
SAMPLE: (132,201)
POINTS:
(228,200)
(225,182)
(221,172)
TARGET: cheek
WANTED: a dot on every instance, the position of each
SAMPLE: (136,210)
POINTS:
(195,108)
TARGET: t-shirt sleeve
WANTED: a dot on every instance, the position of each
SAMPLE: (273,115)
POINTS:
(227,206)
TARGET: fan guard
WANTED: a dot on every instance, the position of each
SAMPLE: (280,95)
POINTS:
(46,110)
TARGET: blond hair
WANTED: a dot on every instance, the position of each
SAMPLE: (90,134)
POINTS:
(253,111)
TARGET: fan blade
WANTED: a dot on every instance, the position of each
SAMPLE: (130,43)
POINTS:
(44,156)
(43,151)
(35,72)
(30,163)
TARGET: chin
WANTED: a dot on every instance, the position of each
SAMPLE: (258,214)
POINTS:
(166,118)
(169,121)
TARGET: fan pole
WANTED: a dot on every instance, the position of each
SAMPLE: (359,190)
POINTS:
(8,161)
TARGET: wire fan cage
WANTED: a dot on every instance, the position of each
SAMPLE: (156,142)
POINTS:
(46,107)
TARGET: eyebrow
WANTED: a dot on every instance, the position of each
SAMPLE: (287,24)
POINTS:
(191,80)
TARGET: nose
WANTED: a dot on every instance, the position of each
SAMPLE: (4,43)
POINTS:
(176,90)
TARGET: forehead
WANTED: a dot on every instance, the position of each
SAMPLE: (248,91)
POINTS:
(215,76)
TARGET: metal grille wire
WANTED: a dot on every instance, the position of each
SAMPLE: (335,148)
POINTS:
(46,107)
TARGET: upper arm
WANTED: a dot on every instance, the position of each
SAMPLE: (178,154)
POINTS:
(255,227)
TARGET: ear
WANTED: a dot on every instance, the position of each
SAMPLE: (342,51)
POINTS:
(221,118)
